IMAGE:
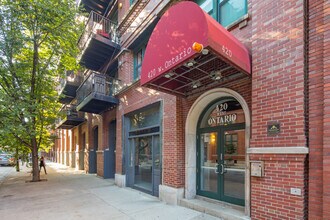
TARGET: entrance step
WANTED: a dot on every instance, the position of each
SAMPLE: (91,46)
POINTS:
(215,208)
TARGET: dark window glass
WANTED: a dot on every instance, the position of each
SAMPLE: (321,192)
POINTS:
(138,58)
(147,118)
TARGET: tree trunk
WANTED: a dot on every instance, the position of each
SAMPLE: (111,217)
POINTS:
(35,167)
(17,160)
(35,164)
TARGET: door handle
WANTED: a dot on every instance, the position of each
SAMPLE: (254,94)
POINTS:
(216,168)
(222,169)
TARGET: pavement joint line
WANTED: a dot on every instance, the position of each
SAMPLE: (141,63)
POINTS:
(78,190)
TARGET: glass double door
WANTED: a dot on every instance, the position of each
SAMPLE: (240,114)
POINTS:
(221,163)
(145,164)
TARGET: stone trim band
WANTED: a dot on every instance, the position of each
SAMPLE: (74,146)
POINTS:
(278,150)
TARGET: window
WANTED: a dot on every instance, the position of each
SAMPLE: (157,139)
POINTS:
(231,11)
(231,143)
(138,58)
(132,1)
(227,12)
(207,6)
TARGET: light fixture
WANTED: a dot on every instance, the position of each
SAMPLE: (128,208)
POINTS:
(216,75)
(169,75)
(196,84)
(120,5)
(205,51)
(199,48)
(190,63)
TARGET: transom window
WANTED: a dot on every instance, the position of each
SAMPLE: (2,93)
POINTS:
(224,112)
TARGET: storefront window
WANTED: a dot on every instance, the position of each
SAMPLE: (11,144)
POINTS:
(144,153)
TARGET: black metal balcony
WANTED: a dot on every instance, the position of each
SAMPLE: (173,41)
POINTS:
(96,94)
(70,117)
(69,86)
(99,6)
(99,43)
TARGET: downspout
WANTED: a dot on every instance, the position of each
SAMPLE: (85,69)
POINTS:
(306,100)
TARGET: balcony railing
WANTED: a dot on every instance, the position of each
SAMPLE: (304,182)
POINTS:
(70,117)
(69,111)
(68,86)
(71,78)
(97,93)
(97,24)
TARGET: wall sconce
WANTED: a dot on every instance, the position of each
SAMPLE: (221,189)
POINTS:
(120,5)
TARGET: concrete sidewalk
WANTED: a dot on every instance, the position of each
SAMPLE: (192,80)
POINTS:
(70,194)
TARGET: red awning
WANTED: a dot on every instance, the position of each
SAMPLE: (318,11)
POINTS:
(170,47)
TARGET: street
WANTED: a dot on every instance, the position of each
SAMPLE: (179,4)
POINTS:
(68,194)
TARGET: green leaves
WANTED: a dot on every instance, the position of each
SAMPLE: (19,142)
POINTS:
(38,42)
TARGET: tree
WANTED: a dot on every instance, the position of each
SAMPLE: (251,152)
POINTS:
(38,42)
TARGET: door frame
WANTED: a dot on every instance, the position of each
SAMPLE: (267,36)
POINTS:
(220,130)
(153,191)
(112,140)
(190,139)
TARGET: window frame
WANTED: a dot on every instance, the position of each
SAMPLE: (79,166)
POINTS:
(142,49)
(215,13)
(231,141)
(236,21)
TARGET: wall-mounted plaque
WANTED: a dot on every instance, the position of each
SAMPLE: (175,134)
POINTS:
(273,128)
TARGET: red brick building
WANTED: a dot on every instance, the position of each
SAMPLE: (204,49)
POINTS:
(205,104)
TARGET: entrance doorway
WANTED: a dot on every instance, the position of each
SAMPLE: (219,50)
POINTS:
(221,152)
(110,154)
(144,163)
(92,152)
(143,152)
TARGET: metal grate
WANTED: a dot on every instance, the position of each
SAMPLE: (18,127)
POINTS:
(187,80)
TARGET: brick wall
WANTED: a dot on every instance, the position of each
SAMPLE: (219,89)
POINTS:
(270,195)
(326,122)
(278,79)
(278,96)
(137,97)
(319,109)
(107,117)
